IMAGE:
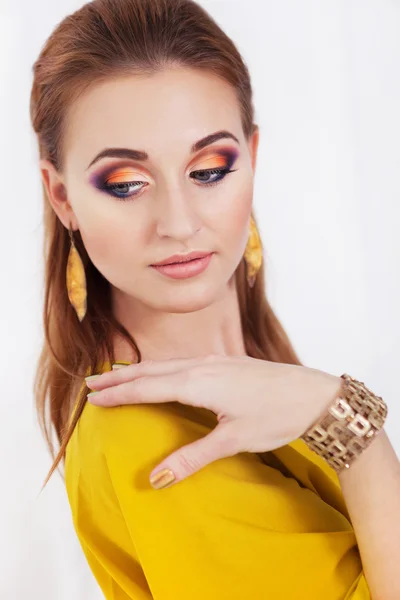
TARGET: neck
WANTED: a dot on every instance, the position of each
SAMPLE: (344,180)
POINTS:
(212,329)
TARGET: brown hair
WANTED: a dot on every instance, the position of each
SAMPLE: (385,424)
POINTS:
(109,38)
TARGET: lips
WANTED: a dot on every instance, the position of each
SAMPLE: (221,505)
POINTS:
(186,268)
(177,259)
(178,262)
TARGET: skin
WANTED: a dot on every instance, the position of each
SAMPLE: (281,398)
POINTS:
(163,115)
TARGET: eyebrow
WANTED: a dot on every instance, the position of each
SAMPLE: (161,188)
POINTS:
(141,155)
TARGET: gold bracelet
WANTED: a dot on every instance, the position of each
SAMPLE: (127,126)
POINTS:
(348,427)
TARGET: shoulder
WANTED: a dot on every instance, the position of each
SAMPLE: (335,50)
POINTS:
(135,436)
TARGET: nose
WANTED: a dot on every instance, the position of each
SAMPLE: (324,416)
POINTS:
(175,217)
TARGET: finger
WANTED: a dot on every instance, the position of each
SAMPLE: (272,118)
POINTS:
(147,367)
(220,443)
(170,387)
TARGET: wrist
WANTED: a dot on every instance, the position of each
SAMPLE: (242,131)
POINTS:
(349,424)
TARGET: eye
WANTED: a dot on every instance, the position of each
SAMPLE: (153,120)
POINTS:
(120,190)
(205,174)
(128,189)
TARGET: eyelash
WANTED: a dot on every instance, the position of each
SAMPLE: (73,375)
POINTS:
(115,186)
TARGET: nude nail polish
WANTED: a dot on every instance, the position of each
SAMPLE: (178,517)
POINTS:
(162,479)
(91,378)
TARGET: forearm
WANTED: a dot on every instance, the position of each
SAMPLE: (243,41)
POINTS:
(371,488)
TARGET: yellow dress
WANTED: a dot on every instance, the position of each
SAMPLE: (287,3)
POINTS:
(247,527)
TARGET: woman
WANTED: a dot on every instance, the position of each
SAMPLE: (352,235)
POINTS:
(144,117)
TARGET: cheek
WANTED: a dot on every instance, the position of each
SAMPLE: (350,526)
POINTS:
(112,244)
(109,229)
(232,223)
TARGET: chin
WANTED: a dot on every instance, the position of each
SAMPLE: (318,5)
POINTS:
(191,299)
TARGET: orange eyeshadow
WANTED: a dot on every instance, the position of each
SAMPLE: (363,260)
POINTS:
(120,176)
(214,162)
(221,158)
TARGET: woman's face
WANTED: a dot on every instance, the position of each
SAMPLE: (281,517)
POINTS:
(155,195)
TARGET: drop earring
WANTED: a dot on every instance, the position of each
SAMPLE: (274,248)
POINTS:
(253,253)
(76,280)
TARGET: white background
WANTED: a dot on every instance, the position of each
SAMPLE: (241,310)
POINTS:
(327,94)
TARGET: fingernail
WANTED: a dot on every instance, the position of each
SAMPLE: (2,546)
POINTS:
(116,366)
(91,394)
(91,378)
(162,479)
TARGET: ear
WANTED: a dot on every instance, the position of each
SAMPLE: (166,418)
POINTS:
(253,147)
(57,194)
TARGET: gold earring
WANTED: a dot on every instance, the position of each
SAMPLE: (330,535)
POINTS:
(76,280)
(253,253)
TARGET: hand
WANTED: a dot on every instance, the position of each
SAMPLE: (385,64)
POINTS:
(260,405)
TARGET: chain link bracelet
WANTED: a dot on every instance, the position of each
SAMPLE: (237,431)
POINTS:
(348,427)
